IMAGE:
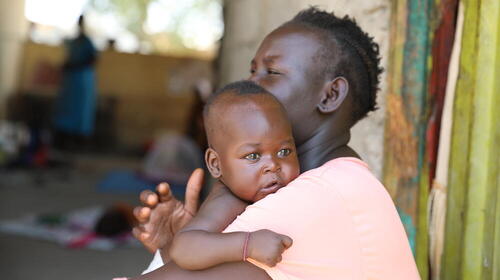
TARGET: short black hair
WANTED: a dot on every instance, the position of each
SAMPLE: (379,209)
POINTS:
(239,88)
(349,52)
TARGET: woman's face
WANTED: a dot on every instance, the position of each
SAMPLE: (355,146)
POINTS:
(286,65)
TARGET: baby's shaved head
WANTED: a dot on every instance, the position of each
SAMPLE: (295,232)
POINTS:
(240,88)
(241,98)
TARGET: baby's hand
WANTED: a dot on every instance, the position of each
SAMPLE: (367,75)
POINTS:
(267,246)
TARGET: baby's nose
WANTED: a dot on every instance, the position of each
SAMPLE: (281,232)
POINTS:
(272,165)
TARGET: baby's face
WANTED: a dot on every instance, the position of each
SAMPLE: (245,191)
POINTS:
(256,151)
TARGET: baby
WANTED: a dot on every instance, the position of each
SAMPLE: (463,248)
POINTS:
(252,152)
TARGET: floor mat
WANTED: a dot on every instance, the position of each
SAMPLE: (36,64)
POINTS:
(74,229)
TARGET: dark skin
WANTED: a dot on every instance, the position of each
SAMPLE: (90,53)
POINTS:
(319,108)
(253,153)
(252,150)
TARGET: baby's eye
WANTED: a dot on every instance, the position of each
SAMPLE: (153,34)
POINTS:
(284,152)
(252,156)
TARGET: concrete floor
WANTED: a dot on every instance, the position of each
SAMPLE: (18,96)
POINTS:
(26,191)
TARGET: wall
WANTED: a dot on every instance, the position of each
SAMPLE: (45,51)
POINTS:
(248,22)
(154,93)
(13,28)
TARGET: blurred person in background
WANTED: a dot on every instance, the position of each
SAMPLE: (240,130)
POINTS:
(76,104)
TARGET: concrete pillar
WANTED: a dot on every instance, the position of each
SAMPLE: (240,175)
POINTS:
(13,27)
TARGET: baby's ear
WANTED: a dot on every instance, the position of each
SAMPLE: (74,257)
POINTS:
(333,95)
(213,163)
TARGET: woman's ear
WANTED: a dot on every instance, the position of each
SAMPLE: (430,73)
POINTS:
(333,95)
(213,163)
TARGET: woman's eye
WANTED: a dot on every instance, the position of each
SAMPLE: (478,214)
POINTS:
(252,156)
(252,71)
(284,152)
(272,72)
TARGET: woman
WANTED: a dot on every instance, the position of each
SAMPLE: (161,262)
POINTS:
(324,70)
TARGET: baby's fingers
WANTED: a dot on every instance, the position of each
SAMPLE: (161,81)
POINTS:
(273,261)
(149,198)
(286,241)
(142,214)
(278,259)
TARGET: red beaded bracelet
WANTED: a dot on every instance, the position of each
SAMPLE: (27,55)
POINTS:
(245,247)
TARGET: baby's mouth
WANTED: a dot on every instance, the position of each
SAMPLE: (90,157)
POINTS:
(272,187)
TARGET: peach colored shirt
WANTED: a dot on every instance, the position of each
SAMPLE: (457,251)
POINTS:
(343,224)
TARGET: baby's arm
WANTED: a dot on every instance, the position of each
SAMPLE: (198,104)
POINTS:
(201,245)
(189,245)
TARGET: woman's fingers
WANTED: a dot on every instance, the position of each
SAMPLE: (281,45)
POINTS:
(193,189)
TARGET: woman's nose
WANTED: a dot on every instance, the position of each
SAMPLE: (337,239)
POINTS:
(253,78)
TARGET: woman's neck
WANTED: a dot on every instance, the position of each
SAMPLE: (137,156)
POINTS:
(323,147)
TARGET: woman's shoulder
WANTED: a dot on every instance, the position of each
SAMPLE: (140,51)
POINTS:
(343,177)
(343,167)
(346,175)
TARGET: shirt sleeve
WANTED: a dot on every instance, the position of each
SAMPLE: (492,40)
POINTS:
(156,263)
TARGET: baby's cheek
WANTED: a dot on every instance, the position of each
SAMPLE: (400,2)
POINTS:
(257,196)
(291,172)
(250,189)
(245,189)
(253,192)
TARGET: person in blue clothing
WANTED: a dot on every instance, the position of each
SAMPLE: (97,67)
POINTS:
(76,104)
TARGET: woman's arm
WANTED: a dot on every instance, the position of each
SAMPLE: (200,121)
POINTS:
(240,270)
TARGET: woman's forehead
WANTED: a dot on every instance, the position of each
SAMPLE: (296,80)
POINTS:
(291,47)
(291,38)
